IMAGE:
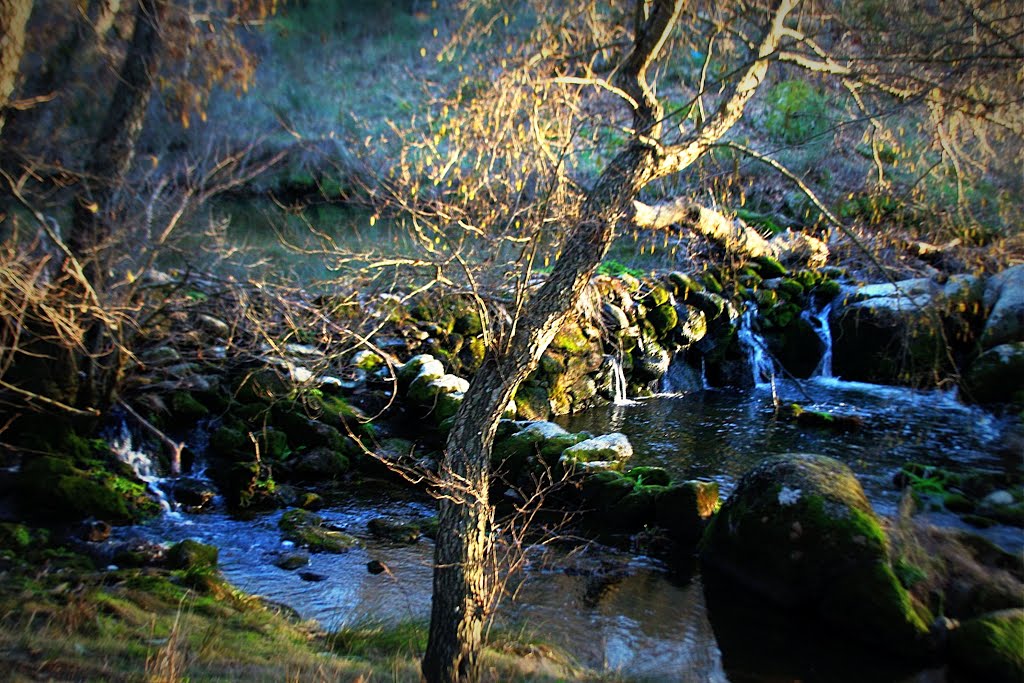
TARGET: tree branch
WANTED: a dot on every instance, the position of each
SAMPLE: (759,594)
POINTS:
(677,157)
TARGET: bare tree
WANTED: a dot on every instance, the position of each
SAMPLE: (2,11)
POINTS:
(459,602)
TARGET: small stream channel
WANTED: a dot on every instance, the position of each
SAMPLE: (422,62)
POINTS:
(625,613)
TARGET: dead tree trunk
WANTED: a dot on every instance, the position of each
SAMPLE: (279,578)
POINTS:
(13,17)
(460,597)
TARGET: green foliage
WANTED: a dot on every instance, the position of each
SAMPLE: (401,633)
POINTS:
(796,112)
(614,268)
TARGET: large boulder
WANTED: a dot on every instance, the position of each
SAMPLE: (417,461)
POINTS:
(997,375)
(903,332)
(799,530)
(1004,296)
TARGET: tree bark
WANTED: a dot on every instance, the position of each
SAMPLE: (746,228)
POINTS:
(461,598)
(13,17)
(114,149)
(89,29)
(733,235)
(95,207)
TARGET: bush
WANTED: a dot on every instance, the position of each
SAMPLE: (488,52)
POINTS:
(796,112)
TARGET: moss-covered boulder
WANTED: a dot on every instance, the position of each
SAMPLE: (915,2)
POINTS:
(85,484)
(404,531)
(991,646)
(663,318)
(614,449)
(191,554)
(309,530)
(799,530)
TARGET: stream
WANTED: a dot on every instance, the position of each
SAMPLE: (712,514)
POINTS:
(623,613)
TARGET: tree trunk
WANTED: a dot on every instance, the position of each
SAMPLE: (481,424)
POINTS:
(461,599)
(53,79)
(13,17)
(461,596)
(95,207)
(114,149)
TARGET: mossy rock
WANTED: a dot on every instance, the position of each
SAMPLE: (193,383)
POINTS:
(471,356)
(273,443)
(367,360)
(190,554)
(647,475)
(684,284)
(684,508)
(422,363)
(532,402)
(226,441)
(997,375)
(395,530)
(693,323)
(185,408)
(712,305)
(790,288)
(320,464)
(663,318)
(78,497)
(263,386)
(769,267)
(602,490)
(308,530)
(799,530)
(658,296)
(991,646)
(571,339)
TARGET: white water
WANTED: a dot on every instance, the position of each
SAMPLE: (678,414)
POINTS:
(819,321)
(761,365)
(143,466)
(619,383)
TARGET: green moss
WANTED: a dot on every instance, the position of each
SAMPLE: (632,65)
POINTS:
(658,296)
(663,318)
(185,407)
(991,646)
(15,536)
(190,554)
(570,338)
(307,529)
(80,497)
(226,440)
(770,267)
(649,475)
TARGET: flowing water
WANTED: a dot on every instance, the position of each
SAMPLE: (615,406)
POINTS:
(624,613)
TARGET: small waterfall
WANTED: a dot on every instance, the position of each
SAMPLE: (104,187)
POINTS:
(761,364)
(141,463)
(619,382)
(819,321)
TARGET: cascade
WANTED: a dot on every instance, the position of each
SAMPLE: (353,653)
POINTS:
(141,463)
(760,361)
(819,321)
(619,382)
